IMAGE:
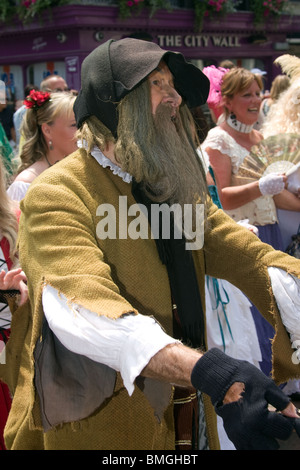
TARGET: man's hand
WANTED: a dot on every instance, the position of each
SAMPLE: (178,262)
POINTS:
(241,395)
(235,392)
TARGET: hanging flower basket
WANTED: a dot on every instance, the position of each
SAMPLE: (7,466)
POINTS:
(213,9)
(129,8)
(202,8)
(27,10)
(265,9)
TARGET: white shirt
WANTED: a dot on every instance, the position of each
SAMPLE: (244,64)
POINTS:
(126,344)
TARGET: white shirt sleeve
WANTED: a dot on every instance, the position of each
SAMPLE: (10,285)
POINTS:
(286,289)
(125,344)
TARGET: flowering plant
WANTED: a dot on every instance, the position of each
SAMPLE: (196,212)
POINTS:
(129,7)
(36,99)
(28,9)
(202,8)
(265,8)
(212,8)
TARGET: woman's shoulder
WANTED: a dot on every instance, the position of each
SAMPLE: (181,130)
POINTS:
(30,173)
(218,134)
(218,139)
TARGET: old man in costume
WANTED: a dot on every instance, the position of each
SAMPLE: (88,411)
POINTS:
(114,334)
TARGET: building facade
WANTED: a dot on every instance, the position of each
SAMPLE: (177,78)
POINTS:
(59,42)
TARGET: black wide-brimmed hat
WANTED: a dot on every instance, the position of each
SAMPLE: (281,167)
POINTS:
(115,68)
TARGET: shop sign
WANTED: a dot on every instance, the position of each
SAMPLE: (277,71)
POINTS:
(38,44)
(198,40)
(72,64)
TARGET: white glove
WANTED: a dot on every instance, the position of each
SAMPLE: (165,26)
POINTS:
(271,184)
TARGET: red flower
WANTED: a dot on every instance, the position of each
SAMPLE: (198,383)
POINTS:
(26,3)
(36,99)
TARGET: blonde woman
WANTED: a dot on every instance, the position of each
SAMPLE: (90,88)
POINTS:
(225,147)
(12,279)
(49,135)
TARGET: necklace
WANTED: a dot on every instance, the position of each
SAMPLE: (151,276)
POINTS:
(47,160)
(238,125)
(50,164)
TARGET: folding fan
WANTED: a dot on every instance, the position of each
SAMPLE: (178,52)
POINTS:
(276,154)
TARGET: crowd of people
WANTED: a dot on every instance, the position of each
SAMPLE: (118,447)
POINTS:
(118,342)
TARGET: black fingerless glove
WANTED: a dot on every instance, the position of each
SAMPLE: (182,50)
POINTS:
(248,422)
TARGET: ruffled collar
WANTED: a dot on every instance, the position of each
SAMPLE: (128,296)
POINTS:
(107,163)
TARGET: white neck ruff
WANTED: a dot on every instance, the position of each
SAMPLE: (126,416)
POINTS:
(106,162)
(238,125)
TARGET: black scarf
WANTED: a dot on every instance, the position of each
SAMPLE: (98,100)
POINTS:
(182,278)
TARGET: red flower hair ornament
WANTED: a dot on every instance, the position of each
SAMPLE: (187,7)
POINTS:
(36,99)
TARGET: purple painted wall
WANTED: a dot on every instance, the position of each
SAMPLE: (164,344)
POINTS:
(75,30)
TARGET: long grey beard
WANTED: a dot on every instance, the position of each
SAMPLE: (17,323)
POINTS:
(158,152)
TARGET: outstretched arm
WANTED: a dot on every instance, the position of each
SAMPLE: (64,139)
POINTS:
(175,364)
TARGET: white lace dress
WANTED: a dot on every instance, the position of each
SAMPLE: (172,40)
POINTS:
(261,211)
